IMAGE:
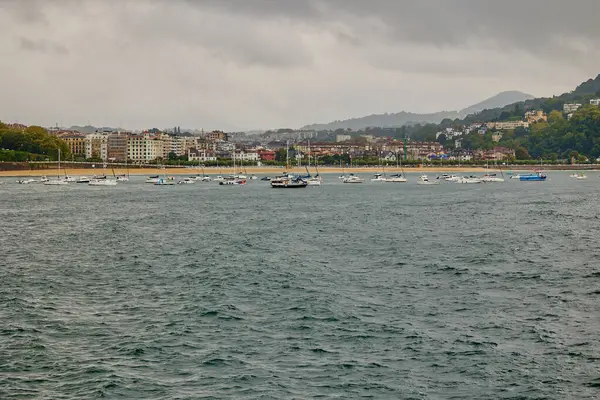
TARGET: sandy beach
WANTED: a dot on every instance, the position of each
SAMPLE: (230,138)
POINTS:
(263,171)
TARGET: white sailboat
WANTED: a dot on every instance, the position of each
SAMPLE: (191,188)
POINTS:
(313,180)
(491,177)
(104,181)
(124,177)
(397,178)
(58,180)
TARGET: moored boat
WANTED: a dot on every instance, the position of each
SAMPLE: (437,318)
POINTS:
(352,179)
(396,178)
(424,180)
(102,182)
(164,182)
(533,177)
(378,178)
(153,179)
(232,180)
(26,181)
(491,178)
(288,182)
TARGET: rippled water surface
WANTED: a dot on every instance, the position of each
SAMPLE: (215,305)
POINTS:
(387,291)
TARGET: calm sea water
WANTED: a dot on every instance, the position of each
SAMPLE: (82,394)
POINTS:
(387,291)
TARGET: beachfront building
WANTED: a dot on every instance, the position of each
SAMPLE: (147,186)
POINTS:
(117,146)
(178,145)
(495,154)
(200,155)
(145,147)
(96,146)
(266,155)
(76,142)
(245,156)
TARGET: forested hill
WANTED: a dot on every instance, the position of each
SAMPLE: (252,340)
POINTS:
(582,94)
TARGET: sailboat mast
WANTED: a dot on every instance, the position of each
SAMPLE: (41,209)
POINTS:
(309,152)
(287,155)
(58,174)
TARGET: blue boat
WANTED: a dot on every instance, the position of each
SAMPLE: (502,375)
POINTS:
(536,176)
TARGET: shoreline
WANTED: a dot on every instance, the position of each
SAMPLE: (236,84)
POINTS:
(267,171)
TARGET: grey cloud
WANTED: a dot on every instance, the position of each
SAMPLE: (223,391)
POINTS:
(533,25)
(256,63)
(42,46)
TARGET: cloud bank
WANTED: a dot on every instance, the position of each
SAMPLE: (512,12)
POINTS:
(239,64)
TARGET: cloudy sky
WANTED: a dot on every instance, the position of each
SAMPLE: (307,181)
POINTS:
(246,64)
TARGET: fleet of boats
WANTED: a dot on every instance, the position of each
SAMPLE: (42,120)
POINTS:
(294,181)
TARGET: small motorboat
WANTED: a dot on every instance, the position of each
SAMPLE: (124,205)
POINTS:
(232,180)
(424,180)
(153,179)
(352,179)
(186,181)
(54,182)
(266,178)
(287,182)
(469,179)
(537,176)
(122,178)
(451,178)
(164,182)
(26,181)
(102,182)
(83,179)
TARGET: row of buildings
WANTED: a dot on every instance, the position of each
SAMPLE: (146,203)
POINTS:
(139,147)
(148,147)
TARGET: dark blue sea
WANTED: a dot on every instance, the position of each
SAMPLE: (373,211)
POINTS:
(375,290)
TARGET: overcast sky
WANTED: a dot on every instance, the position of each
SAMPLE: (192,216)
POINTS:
(245,64)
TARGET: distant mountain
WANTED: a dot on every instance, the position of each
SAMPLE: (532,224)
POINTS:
(90,129)
(406,118)
(500,100)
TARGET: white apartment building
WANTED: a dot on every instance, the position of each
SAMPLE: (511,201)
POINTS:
(342,138)
(96,146)
(200,155)
(595,102)
(570,108)
(245,156)
(144,147)
(177,144)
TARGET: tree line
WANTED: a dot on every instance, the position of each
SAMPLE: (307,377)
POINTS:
(33,143)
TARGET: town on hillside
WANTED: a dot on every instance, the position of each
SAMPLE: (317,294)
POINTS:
(476,141)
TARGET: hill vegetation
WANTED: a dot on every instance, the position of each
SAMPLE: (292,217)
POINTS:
(33,143)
